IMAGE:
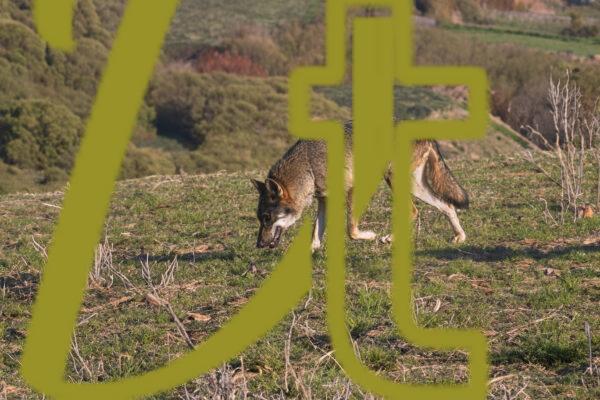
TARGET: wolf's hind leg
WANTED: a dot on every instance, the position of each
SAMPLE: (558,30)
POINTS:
(414,214)
(319,229)
(423,193)
(353,231)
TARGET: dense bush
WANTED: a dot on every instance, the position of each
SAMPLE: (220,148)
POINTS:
(17,10)
(140,162)
(201,122)
(86,22)
(13,179)
(258,46)
(217,61)
(20,45)
(178,100)
(109,13)
(253,50)
(450,10)
(301,43)
(230,121)
(39,135)
(504,5)
(578,28)
(519,76)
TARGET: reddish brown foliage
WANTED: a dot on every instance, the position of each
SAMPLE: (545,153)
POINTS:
(226,62)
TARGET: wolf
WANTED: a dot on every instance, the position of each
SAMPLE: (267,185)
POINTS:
(300,176)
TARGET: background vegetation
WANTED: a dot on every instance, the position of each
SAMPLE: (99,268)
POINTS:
(218,101)
(221,83)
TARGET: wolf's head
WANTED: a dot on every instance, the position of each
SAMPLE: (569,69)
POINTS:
(275,212)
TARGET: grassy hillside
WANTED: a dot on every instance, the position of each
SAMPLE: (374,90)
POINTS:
(190,121)
(542,41)
(209,21)
(529,285)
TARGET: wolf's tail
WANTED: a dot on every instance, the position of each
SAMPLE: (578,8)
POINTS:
(442,182)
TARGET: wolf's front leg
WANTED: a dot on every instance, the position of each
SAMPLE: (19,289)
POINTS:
(319,229)
(353,231)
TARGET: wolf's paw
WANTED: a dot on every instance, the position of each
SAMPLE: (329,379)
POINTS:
(459,238)
(387,239)
(315,246)
(363,235)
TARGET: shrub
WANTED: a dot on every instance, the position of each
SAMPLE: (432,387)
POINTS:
(235,122)
(444,11)
(518,75)
(578,28)
(503,5)
(145,129)
(20,45)
(301,43)
(109,12)
(82,69)
(576,134)
(13,179)
(146,161)
(86,22)
(54,175)
(259,47)
(17,10)
(213,60)
(178,100)
(38,134)
(469,10)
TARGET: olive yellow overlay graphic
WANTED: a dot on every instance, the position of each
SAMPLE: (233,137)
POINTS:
(382,57)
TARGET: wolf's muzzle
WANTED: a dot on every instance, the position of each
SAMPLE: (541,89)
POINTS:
(274,241)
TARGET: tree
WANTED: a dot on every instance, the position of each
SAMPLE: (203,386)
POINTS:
(37,134)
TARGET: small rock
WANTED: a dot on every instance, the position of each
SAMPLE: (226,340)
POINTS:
(199,317)
(551,272)
(438,304)
(155,300)
(252,268)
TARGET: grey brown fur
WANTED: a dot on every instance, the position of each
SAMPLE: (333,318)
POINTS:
(300,176)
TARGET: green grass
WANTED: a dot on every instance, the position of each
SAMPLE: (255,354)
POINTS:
(208,21)
(409,102)
(537,40)
(495,282)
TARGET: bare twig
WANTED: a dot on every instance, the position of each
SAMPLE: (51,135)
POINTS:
(168,277)
(39,248)
(588,334)
(575,135)
(76,356)
(147,275)
(101,273)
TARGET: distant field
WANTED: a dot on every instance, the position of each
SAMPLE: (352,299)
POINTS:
(544,23)
(208,21)
(542,41)
(528,285)
(409,102)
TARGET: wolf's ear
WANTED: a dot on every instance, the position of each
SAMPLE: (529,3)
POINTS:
(260,186)
(274,187)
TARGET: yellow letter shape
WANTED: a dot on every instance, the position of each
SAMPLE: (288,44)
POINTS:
(376,42)
(129,68)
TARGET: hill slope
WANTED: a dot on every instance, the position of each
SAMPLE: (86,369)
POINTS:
(528,285)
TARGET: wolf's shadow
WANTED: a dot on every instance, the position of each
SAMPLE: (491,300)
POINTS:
(502,253)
